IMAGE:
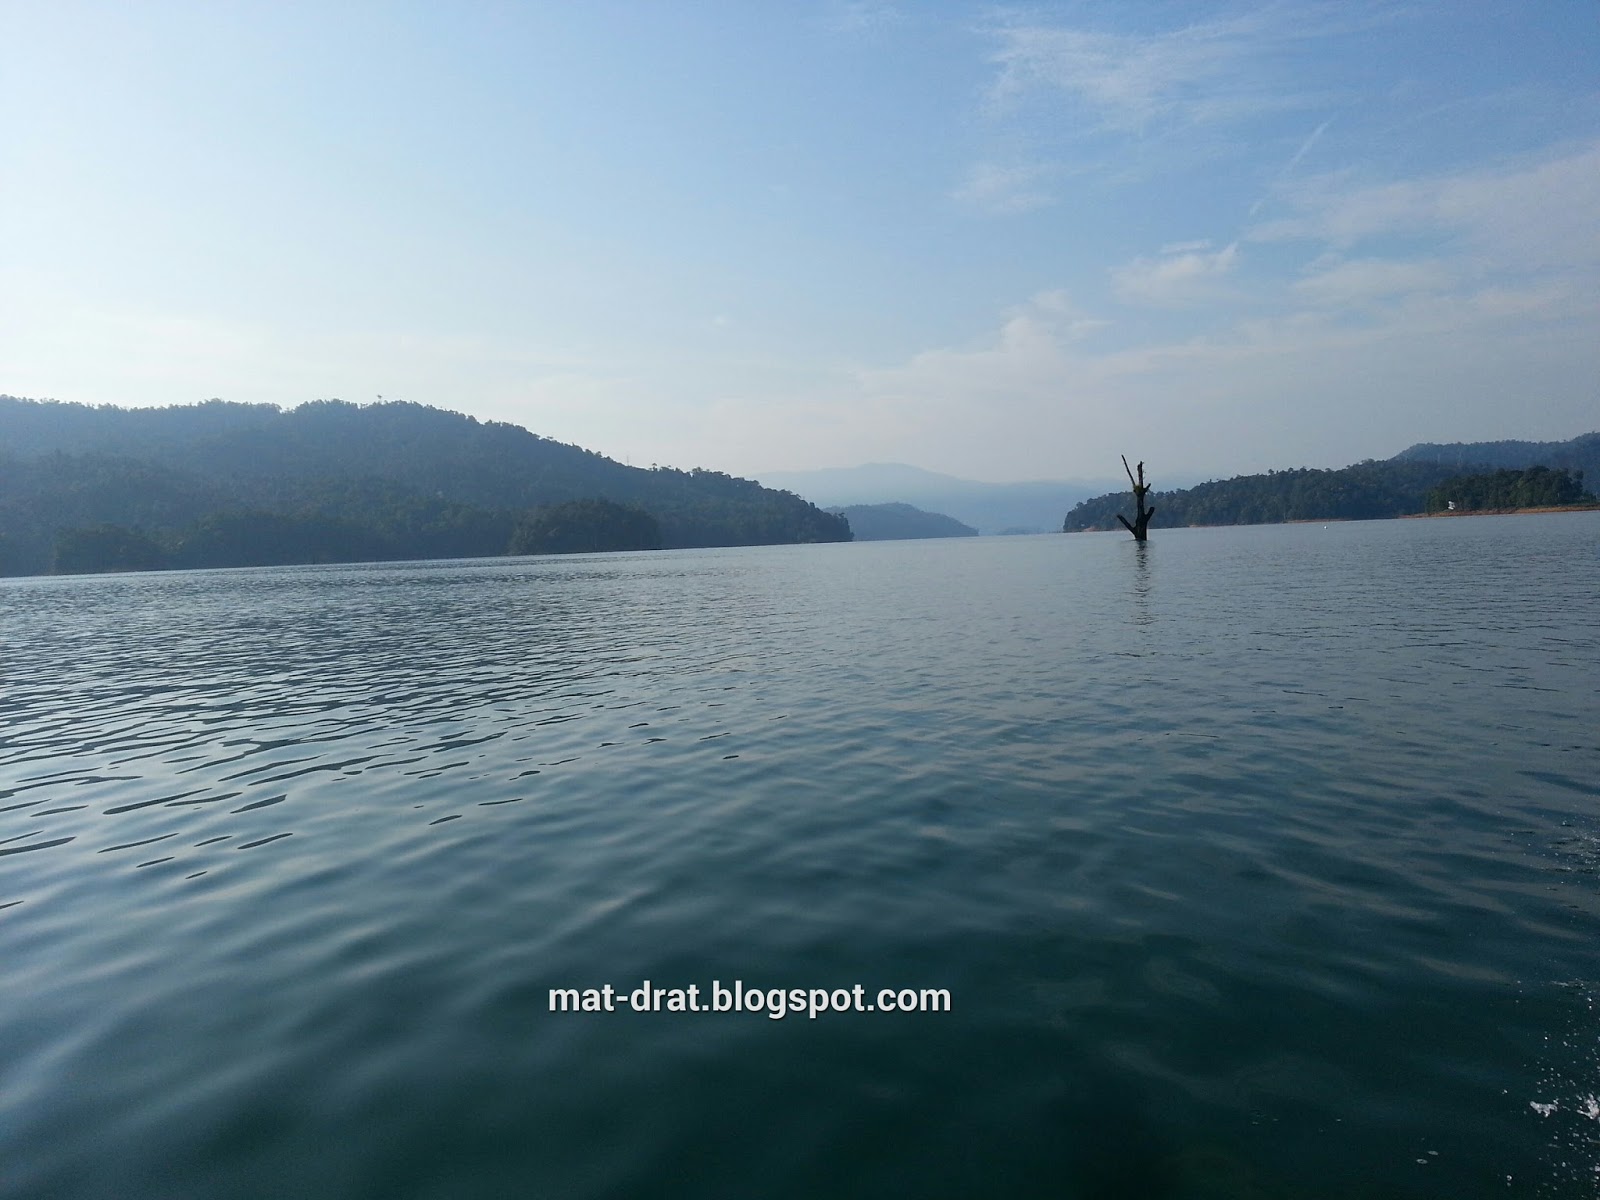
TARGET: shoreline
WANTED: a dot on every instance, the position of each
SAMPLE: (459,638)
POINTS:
(1503,512)
(1474,512)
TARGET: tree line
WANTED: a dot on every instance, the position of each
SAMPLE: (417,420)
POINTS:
(265,539)
(1365,491)
(1537,487)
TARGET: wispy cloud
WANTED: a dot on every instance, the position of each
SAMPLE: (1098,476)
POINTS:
(1156,101)
(862,16)
(1538,213)
(1424,304)
(1334,390)
(1368,280)
(1000,190)
(1030,350)
(1207,72)
(1294,161)
(1183,275)
(1305,146)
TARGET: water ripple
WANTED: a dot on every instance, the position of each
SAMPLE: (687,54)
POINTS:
(1253,859)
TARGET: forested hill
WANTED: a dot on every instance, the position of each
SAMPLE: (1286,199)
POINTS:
(1578,454)
(340,482)
(894,522)
(1373,489)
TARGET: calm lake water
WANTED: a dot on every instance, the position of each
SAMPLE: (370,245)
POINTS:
(1257,862)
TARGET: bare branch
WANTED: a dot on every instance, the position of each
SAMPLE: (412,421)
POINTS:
(1141,521)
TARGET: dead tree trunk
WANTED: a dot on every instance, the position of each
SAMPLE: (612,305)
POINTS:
(1141,518)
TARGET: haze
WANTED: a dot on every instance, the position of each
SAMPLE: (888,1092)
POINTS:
(1001,243)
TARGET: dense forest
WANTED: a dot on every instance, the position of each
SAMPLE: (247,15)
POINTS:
(890,522)
(585,527)
(220,484)
(1400,486)
(1537,487)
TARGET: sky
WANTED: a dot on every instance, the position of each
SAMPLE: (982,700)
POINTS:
(1000,242)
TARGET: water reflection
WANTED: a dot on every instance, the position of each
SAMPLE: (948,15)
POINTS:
(1143,583)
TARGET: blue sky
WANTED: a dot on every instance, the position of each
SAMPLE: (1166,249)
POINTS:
(1001,242)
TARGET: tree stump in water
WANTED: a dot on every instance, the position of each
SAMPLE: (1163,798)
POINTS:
(1141,517)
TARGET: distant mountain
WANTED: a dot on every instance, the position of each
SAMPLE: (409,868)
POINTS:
(219,484)
(988,507)
(1576,454)
(891,522)
(1395,487)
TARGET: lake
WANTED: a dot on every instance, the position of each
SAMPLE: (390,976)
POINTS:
(1254,862)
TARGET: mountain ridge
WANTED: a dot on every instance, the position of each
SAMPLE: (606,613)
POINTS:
(899,522)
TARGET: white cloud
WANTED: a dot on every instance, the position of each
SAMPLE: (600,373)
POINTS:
(1030,345)
(1169,100)
(1129,81)
(1294,161)
(1207,72)
(1544,213)
(1362,358)
(1003,190)
(1362,281)
(862,16)
(1185,275)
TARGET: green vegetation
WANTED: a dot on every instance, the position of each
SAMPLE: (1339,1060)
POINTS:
(585,527)
(890,522)
(105,548)
(268,539)
(1537,487)
(1400,486)
(1580,454)
(220,484)
(1362,492)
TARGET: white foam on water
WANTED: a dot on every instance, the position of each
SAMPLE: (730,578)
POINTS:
(1575,1147)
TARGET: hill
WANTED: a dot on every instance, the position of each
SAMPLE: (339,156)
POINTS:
(891,522)
(1034,507)
(1369,490)
(219,484)
(1577,454)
